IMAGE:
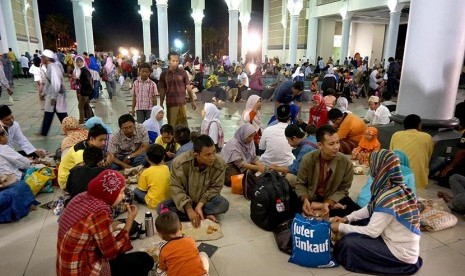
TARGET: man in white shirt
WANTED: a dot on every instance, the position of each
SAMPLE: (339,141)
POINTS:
(156,73)
(377,114)
(274,142)
(15,135)
(374,81)
(242,81)
(25,65)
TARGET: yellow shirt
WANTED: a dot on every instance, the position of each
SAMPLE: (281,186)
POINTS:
(73,157)
(155,180)
(160,142)
(418,146)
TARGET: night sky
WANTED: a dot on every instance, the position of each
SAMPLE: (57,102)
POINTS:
(117,22)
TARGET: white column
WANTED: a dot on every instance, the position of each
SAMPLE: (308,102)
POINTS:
(87,10)
(284,24)
(266,21)
(346,17)
(430,33)
(233,9)
(312,39)
(197,14)
(162,14)
(79,27)
(145,12)
(294,7)
(3,35)
(35,9)
(245,9)
(393,29)
(7,13)
(26,24)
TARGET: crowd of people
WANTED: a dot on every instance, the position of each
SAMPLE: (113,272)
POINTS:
(185,171)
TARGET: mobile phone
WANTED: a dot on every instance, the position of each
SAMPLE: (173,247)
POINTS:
(207,248)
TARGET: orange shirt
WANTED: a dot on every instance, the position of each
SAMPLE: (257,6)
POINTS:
(352,128)
(180,257)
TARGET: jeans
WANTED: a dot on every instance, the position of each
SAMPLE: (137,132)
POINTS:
(135,161)
(140,195)
(111,88)
(217,205)
(457,186)
(96,91)
(143,115)
(135,263)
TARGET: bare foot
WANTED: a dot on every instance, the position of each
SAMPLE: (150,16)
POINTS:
(212,218)
(445,196)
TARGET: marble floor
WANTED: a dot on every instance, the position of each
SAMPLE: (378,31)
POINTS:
(28,247)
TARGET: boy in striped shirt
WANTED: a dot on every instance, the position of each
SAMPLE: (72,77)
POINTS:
(144,94)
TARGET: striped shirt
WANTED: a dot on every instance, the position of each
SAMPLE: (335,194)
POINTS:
(144,92)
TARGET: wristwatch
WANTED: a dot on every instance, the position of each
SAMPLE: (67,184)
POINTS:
(128,157)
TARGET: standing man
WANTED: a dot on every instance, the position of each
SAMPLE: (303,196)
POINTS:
(393,75)
(53,91)
(173,84)
(24,65)
(377,114)
(15,135)
(289,92)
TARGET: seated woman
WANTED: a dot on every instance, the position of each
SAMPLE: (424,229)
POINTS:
(212,85)
(239,153)
(97,120)
(302,145)
(252,116)
(15,199)
(86,244)
(318,112)
(390,242)
(366,146)
(256,81)
(154,123)
(365,194)
(343,104)
(211,125)
(166,139)
(74,134)
(330,99)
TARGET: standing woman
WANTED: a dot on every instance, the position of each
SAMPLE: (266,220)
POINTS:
(110,77)
(390,242)
(86,244)
(211,125)
(84,78)
(252,116)
(94,69)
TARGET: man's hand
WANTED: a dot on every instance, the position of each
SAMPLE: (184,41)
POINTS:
(170,154)
(335,227)
(193,217)
(262,168)
(40,153)
(198,210)
(127,160)
(445,171)
(307,208)
(53,101)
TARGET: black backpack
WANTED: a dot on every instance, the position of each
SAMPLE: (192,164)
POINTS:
(271,201)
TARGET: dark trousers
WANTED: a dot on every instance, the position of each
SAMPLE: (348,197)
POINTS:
(391,86)
(48,119)
(362,254)
(136,264)
(217,205)
(26,72)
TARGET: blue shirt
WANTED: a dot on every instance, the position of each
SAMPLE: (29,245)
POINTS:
(307,145)
(186,147)
(232,84)
(283,93)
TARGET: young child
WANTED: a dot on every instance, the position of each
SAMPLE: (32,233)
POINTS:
(314,86)
(154,182)
(179,256)
(166,139)
(367,144)
(231,88)
(144,94)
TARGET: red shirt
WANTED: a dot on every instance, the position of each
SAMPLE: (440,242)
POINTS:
(318,118)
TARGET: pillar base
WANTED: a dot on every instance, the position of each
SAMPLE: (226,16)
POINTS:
(429,123)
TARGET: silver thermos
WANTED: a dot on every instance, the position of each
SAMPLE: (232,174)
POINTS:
(149,227)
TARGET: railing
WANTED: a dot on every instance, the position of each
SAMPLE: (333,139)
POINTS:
(324,2)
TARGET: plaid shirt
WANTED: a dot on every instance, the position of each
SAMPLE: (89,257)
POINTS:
(175,84)
(120,144)
(88,246)
(144,92)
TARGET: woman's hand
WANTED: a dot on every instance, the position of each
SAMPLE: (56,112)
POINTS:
(335,227)
(340,220)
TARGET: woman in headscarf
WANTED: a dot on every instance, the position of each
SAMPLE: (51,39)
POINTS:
(343,104)
(318,112)
(252,116)
(211,125)
(366,146)
(86,244)
(390,242)
(84,80)
(94,69)
(109,77)
(298,75)
(239,153)
(74,134)
(256,81)
(154,123)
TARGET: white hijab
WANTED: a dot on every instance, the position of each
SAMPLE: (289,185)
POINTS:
(152,124)
(211,114)
(77,69)
(253,99)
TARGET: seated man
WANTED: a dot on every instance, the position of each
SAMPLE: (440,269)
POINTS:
(129,143)
(457,166)
(15,135)
(350,129)
(417,145)
(197,178)
(80,176)
(97,138)
(325,177)
(377,114)
(274,142)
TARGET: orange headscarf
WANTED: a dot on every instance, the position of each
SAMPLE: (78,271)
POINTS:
(372,144)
